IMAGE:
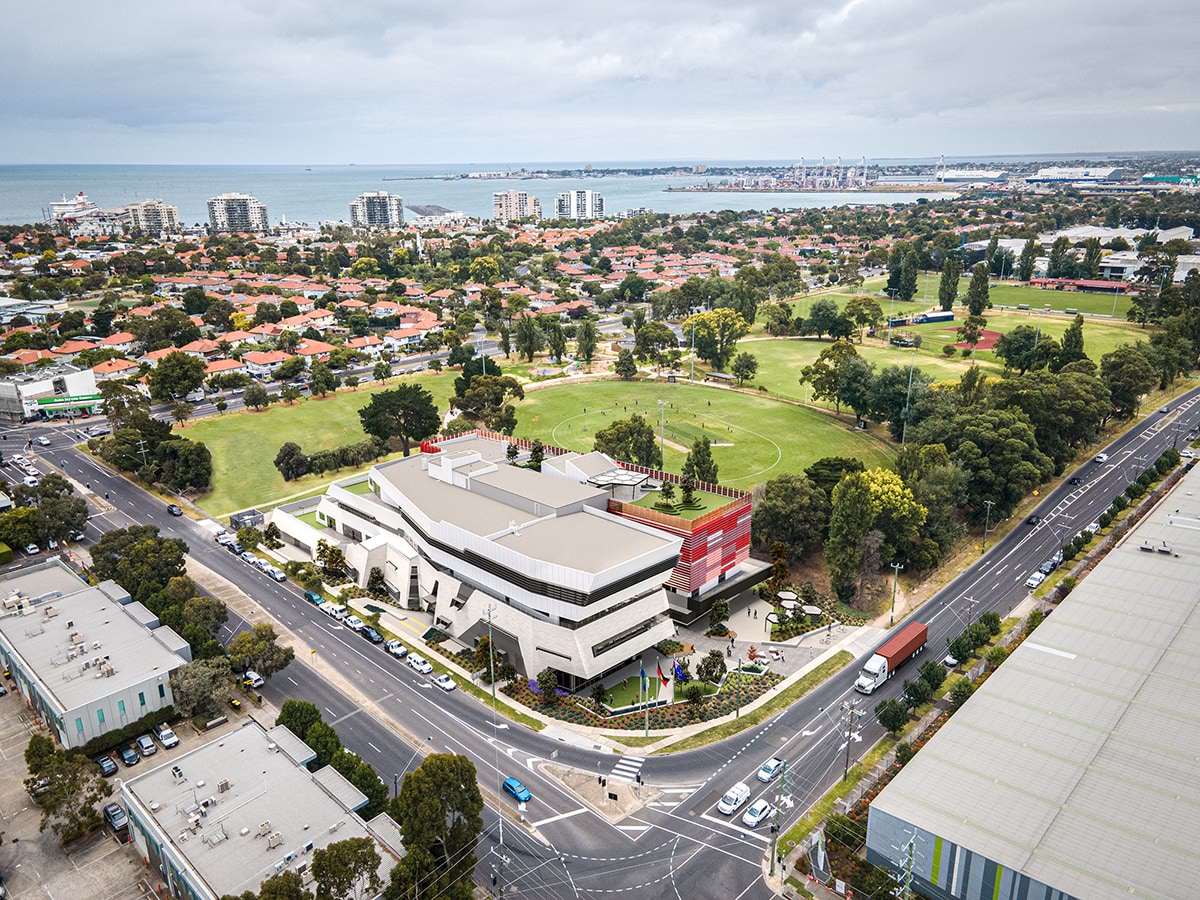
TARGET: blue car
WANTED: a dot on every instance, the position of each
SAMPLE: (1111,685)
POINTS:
(516,790)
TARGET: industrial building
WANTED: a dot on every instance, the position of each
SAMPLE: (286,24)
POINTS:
(1076,174)
(237,212)
(1071,772)
(576,576)
(221,819)
(86,659)
(377,209)
(47,392)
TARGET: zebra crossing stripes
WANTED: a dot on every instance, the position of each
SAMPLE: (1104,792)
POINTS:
(626,769)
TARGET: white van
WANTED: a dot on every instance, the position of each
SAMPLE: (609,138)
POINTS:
(733,800)
(335,610)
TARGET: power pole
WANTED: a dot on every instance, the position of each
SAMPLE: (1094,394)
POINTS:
(778,807)
(851,714)
(896,567)
(142,450)
(987,523)
(912,362)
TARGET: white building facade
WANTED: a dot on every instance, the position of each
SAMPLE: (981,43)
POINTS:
(508,206)
(237,212)
(377,209)
(579,204)
(153,218)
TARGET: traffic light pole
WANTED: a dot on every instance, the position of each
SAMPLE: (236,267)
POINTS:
(778,808)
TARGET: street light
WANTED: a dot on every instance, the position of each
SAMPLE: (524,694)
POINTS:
(896,567)
(987,521)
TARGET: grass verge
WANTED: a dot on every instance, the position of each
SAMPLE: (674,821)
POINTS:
(634,740)
(776,704)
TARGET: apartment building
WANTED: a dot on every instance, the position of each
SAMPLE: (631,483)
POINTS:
(377,209)
(579,204)
(85,659)
(508,206)
(153,218)
(237,212)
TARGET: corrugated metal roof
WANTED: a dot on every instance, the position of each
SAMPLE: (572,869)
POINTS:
(1076,762)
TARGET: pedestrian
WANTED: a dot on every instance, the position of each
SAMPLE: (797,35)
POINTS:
(710,403)
(756,614)
(729,652)
(748,612)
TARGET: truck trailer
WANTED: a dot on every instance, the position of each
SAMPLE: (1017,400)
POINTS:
(933,316)
(892,655)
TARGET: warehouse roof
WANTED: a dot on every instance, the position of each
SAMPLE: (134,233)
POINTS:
(1075,762)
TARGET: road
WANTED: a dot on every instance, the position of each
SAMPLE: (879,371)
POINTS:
(678,843)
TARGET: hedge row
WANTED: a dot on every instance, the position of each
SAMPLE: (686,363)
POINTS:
(118,737)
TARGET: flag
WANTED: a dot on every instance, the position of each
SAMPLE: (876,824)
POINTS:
(644,686)
(661,677)
(679,673)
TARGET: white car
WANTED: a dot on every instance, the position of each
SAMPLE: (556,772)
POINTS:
(759,811)
(30,481)
(277,573)
(1101,457)
(396,648)
(445,682)
(264,564)
(253,679)
(354,623)
(32,549)
(44,441)
(1187,454)
(770,769)
(420,664)
(1034,580)
(1094,528)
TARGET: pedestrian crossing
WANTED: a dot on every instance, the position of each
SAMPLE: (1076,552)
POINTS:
(627,769)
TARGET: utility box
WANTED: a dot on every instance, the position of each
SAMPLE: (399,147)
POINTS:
(250,517)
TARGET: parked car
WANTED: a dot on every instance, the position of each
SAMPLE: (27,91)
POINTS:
(419,664)
(396,648)
(372,635)
(1101,457)
(77,537)
(445,682)
(115,817)
(166,736)
(1047,567)
(32,549)
(264,564)
(30,480)
(515,789)
(770,769)
(234,547)
(277,573)
(252,679)
(174,510)
(759,811)
(106,764)
(1034,580)
(146,745)
(248,557)
(734,799)
(222,536)
(354,623)
(129,756)
(314,597)
(1093,527)
(1187,453)
(949,661)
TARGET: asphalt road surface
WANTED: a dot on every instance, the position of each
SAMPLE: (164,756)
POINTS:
(678,845)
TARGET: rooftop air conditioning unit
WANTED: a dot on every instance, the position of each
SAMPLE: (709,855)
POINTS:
(95,645)
(222,785)
(274,839)
(279,867)
(194,823)
(289,857)
(264,828)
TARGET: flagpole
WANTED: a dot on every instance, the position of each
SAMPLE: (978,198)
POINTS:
(646,702)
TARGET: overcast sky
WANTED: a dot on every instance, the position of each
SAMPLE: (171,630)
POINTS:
(368,81)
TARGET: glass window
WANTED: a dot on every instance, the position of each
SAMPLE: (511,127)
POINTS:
(79,726)
(121,707)
(141,698)
(100,716)
(162,691)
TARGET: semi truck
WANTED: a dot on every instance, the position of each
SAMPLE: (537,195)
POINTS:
(892,655)
(933,316)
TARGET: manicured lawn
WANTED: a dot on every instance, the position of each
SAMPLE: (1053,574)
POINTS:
(703,503)
(359,487)
(754,438)
(310,519)
(624,693)
(244,444)
(1014,293)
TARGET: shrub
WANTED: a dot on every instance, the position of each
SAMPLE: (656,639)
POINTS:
(996,656)
(960,693)
(917,692)
(1064,587)
(1105,519)
(992,621)
(1035,618)
(1069,552)
(845,831)
(949,350)
(122,736)
(933,674)
(669,647)
(904,752)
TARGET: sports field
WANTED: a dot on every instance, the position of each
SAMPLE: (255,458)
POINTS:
(1011,293)
(754,439)
(244,444)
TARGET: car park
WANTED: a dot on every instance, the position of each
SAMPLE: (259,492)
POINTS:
(419,664)
(314,598)
(759,811)
(166,736)
(372,635)
(106,764)
(445,682)
(396,648)
(1034,580)
(253,679)
(515,789)
(174,510)
(734,799)
(115,817)
(770,769)
(354,623)
(129,756)
(146,745)
(1101,457)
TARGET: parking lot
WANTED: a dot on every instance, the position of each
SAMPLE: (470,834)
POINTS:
(100,867)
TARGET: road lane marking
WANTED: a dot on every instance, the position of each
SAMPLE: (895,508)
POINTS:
(560,817)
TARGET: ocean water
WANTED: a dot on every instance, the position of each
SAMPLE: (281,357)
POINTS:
(323,193)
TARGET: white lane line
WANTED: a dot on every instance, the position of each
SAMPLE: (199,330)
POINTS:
(373,747)
(560,817)
(632,828)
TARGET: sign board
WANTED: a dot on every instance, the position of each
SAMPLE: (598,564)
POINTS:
(612,795)
(68,400)
(839,886)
